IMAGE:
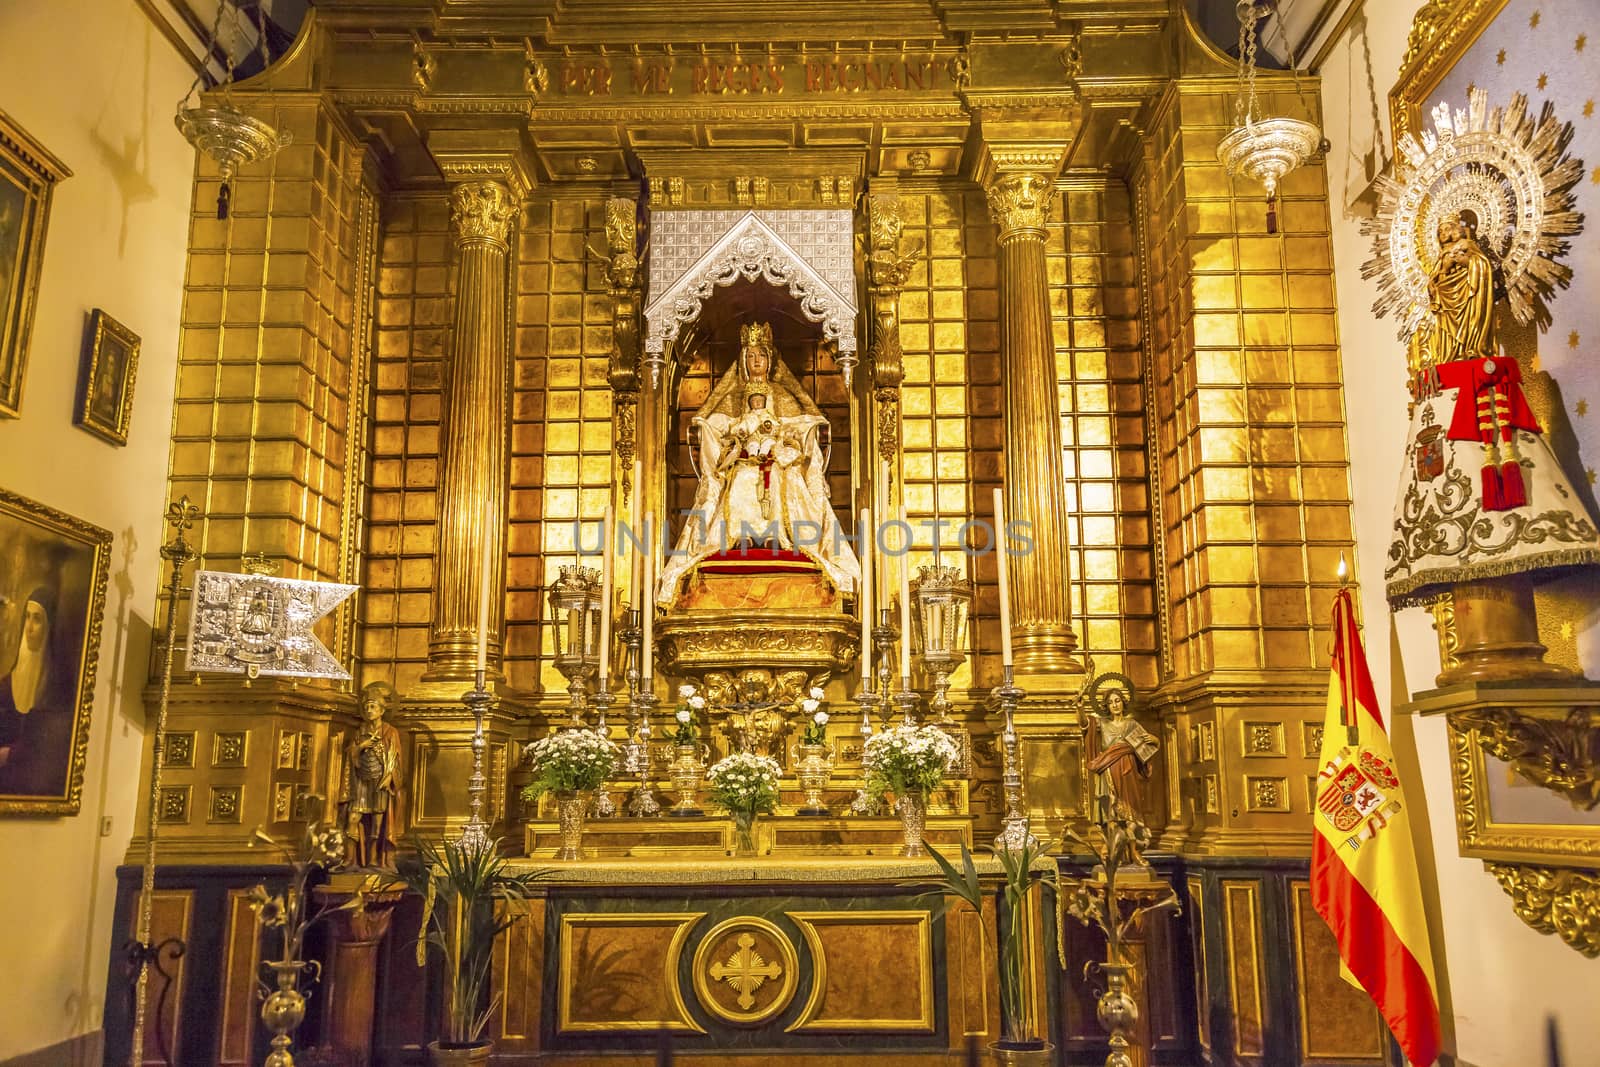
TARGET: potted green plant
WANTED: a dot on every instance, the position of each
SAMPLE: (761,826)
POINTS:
(1020,1044)
(465,889)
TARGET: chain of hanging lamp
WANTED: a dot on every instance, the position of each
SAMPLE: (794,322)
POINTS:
(1263,149)
(221,130)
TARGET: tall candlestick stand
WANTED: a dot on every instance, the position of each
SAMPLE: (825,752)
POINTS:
(603,807)
(1015,835)
(143,955)
(868,699)
(475,835)
(643,804)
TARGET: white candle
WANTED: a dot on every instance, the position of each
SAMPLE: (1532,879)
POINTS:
(1005,575)
(866,598)
(483,593)
(633,531)
(647,607)
(886,509)
(905,603)
(607,554)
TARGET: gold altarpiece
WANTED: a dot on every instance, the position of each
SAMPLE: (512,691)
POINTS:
(421,337)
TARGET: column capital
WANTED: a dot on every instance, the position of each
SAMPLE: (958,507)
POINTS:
(482,211)
(483,155)
(1020,203)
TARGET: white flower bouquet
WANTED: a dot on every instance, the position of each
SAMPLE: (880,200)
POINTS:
(690,702)
(579,759)
(907,759)
(746,785)
(815,708)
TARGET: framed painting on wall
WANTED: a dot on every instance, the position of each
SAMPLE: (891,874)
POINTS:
(53,571)
(28,175)
(105,386)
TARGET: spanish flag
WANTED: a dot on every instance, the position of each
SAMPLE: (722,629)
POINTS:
(1364,879)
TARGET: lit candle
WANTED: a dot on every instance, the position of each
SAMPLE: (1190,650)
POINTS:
(483,595)
(633,531)
(607,554)
(866,598)
(1005,576)
(905,603)
(646,607)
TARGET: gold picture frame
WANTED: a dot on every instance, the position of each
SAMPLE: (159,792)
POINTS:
(105,386)
(28,175)
(1502,817)
(53,572)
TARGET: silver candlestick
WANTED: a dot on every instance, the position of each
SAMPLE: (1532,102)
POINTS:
(868,699)
(906,700)
(475,835)
(884,636)
(642,804)
(1015,834)
(603,807)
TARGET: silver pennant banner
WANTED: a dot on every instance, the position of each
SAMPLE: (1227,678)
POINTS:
(255,625)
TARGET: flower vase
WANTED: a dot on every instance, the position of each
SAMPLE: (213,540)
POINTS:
(687,771)
(913,808)
(812,770)
(570,812)
(283,1009)
(744,825)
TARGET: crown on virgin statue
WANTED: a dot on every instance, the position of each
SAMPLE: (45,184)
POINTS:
(755,333)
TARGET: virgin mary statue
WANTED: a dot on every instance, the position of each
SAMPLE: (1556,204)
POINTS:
(762,479)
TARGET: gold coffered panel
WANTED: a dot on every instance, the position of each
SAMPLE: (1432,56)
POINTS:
(593,979)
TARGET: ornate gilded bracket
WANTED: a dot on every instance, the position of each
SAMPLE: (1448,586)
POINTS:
(627,301)
(888,268)
(1546,732)
(1555,900)
(1562,755)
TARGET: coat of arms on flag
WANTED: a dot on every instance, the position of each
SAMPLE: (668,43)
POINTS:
(1350,790)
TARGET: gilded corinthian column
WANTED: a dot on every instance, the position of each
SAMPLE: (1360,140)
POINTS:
(1034,481)
(472,478)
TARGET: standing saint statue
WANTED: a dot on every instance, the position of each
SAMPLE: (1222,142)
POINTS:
(1121,751)
(369,802)
(763,481)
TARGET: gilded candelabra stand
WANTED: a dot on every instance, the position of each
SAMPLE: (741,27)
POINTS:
(884,636)
(867,699)
(942,599)
(642,802)
(283,1002)
(479,700)
(1015,834)
(1117,894)
(142,954)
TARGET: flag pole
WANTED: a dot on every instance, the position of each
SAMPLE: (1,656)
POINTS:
(1344,625)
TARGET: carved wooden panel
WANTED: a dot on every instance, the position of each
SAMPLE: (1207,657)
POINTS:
(1337,1021)
(170,915)
(241,965)
(1241,916)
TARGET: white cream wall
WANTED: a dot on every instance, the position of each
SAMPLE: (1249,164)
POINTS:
(95,83)
(1504,979)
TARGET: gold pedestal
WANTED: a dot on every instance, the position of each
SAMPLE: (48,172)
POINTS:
(1497,633)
